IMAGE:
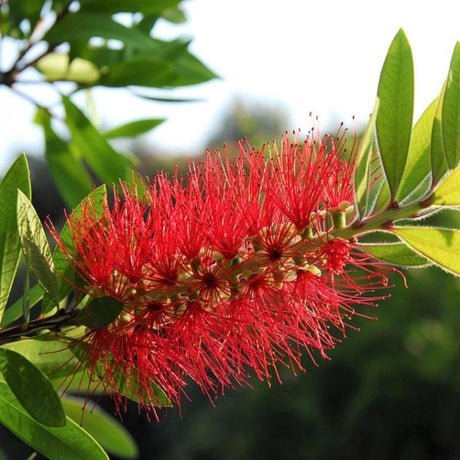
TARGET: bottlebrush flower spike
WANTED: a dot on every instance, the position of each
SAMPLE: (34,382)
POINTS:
(230,272)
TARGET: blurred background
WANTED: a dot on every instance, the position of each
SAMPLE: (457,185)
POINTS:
(391,390)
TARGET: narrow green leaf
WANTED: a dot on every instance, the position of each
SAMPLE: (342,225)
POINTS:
(418,165)
(394,119)
(69,442)
(32,388)
(363,171)
(133,128)
(51,357)
(105,429)
(14,311)
(35,246)
(448,192)
(84,25)
(440,245)
(106,162)
(69,175)
(99,312)
(450,120)
(438,155)
(16,178)
(395,253)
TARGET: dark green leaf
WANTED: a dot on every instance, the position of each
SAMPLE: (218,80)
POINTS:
(99,312)
(35,246)
(23,10)
(440,245)
(85,25)
(394,119)
(16,178)
(69,442)
(106,162)
(69,175)
(106,430)
(51,357)
(144,71)
(32,388)
(450,120)
(129,6)
(133,128)
(448,192)
(395,253)
(418,165)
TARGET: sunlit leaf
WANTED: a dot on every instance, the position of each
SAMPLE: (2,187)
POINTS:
(52,357)
(14,311)
(363,171)
(105,429)
(418,164)
(395,253)
(448,192)
(450,121)
(394,119)
(35,246)
(32,388)
(56,66)
(17,177)
(440,245)
(69,442)
(438,155)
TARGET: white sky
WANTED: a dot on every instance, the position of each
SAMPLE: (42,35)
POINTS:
(304,56)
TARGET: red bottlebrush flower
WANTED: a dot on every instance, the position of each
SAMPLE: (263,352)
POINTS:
(229,272)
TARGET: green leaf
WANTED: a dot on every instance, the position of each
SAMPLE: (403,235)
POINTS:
(106,162)
(56,67)
(394,119)
(35,246)
(105,429)
(448,192)
(363,172)
(133,128)
(128,6)
(14,312)
(32,388)
(140,71)
(16,178)
(450,120)
(395,253)
(69,442)
(438,155)
(69,175)
(51,357)
(99,312)
(418,165)
(440,245)
(85,25)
